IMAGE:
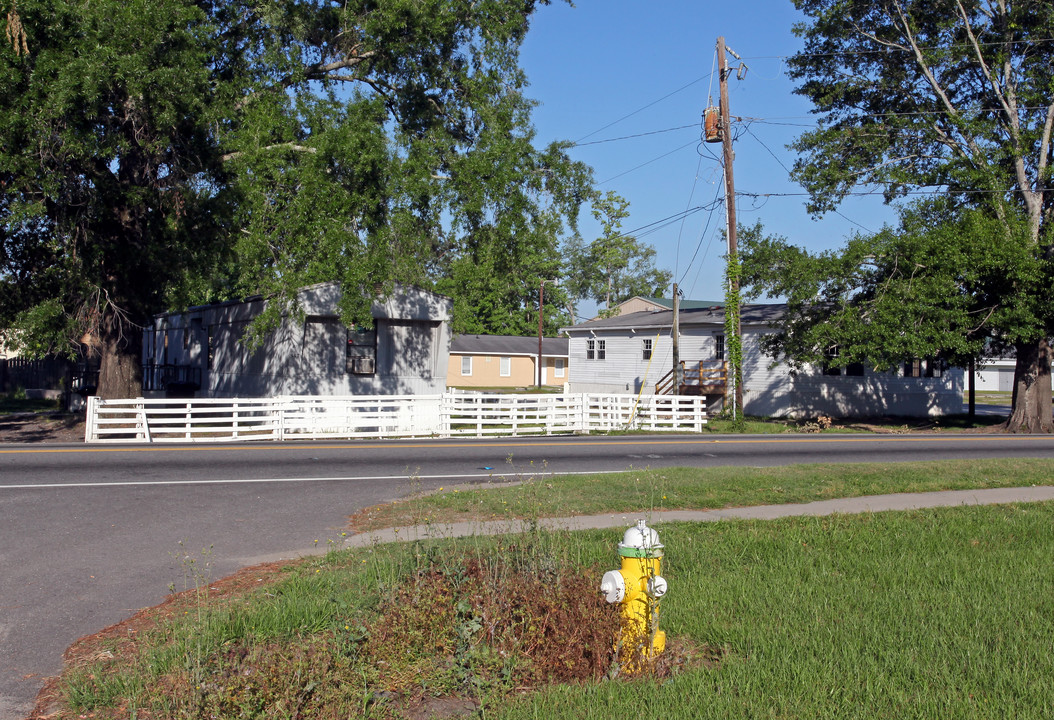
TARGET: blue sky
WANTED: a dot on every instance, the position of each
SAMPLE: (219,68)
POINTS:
(592,65)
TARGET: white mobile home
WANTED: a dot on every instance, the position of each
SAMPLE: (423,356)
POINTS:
(634,353)
(200,352)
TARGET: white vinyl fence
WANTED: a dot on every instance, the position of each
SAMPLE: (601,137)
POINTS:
(316,418)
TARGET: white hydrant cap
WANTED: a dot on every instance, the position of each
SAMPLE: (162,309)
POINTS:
(657,587)
(613,586)
(640,541)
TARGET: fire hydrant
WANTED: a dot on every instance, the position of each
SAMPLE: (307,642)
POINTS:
(638,585)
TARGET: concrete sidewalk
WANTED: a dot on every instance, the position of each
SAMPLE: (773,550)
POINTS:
(847,506)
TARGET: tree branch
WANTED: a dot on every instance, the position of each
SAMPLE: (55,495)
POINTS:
(315,71)
(288,146)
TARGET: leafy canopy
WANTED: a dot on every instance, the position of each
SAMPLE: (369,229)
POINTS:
(940,283)
(955,94)
(158,154)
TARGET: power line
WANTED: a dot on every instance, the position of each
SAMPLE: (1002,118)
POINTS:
(642,108)
(649,162)
(632,137)
(885,50)
(714,205)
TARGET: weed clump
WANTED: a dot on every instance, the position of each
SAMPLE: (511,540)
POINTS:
(448,634)
(476,622)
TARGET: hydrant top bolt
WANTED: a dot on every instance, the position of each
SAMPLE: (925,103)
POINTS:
(640,541)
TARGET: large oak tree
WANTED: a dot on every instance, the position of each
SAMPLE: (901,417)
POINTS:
(954,97)
(164,152)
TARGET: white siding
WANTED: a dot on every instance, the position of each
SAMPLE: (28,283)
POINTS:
(773,391)
(769,390)
(308,356)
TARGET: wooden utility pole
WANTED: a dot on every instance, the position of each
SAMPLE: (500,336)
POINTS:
(731,313)
(678,371)
(541,315)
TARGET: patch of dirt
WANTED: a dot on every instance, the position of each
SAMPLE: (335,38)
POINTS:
(42,428)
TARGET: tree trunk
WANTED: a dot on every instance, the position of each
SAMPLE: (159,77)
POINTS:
(120,364)
(1032,405)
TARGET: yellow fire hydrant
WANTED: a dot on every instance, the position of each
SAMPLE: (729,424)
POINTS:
(638,585)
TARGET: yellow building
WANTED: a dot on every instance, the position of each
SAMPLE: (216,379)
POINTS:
(505,362)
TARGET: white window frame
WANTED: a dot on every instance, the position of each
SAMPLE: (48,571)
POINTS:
(466,367)
(646,348)
(558,367)
(505,366)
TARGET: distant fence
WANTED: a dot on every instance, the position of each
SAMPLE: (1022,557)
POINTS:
(46,374)
(448,415)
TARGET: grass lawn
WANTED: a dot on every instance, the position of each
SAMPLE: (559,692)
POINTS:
(937,614)
(11,404)
(945,613)
(941,614)
(696,488)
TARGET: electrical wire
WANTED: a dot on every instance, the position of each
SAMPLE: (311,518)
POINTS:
(649,162)
(680,231)
(714,205)
(888,50)
(642,108)
(632,137)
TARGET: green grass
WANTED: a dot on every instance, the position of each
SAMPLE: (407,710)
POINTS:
(697,488)
(10,404)
(938,614)
(942,614)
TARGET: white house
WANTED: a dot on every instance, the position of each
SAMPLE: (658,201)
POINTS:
(199,352)
(634,352)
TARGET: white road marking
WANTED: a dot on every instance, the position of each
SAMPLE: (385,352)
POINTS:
(350,478)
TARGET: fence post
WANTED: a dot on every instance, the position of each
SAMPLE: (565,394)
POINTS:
(142,421)
(280,408)
(91,419)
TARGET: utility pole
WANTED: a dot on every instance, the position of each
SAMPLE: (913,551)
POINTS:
(541,314)
(731,308)
(678,371)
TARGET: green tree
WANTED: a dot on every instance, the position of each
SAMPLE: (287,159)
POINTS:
(954,95)
(615,267)
(104,165)
(940,283)
(158,153)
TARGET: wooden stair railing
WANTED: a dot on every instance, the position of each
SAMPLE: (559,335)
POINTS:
(698,379)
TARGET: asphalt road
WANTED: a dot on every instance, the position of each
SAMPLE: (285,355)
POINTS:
(89,534)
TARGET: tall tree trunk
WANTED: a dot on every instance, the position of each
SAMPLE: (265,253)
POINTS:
(1032,405)
(120,364)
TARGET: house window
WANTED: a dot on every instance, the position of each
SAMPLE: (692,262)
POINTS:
(505,367)
(595,349)
(466,365)
(558,367)
(646,349)
(719,347)
(829,368)
(850,370)
(930,367)
(361,354)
